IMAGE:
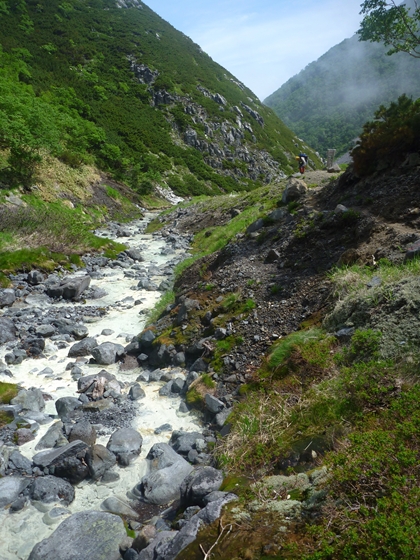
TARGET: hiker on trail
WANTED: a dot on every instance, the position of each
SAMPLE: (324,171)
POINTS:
(302,161)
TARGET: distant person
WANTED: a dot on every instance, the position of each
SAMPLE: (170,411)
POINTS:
(302,162)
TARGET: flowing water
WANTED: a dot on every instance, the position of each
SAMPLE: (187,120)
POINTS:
(20,531)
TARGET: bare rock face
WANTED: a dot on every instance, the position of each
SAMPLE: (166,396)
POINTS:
(88,534)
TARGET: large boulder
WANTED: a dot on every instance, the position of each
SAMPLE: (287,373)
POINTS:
(198,484)
(65,462)
(99,460)
(83,348)
(107,353)
(8,330)
(29,399)
(53,437)
(66,326)
(83,431)
(48,489)
(10,488)
(125,444)
(66,405)
(166,472)
(70,288)
(294,190)
(91,535)
(7,297)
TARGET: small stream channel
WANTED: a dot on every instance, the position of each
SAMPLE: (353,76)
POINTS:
(125,317)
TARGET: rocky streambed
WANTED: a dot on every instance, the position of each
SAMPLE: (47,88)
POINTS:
(100,444)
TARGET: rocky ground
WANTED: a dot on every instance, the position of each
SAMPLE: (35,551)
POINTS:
(231,306)
(281,264)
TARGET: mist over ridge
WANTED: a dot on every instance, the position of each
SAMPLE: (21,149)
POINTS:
(328,102)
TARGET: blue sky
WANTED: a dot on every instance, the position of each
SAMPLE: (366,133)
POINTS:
(263,42)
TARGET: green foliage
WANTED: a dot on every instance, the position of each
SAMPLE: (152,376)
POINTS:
(364,346)
(8,391)
(56,233)
(375,489)
(328,102)
(394,132)
(69,90)
(394,24)
(160,306)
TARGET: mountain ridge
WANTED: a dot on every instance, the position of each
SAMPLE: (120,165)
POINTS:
(328,102)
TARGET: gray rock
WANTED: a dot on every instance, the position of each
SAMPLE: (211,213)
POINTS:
(83,431)
(19,462)
(24,435)
(412,251)
(166,390)
(155,375)
(70,288)
(161,540)
(83,348)
(188,533)
(65,462)
(184,442)
(107,353)
(45,330)
(54,437)
(135,254)
(198,484)
(119,507)
(48,489)
(10,488)
(255,226)
(89,534)
(221,417)
(30,399)
(125,444)
(178,385)
(136,392)
(7,297)
(163,428)
(167,470)
(294,190)
(199,365)
(35,277)
(99,460)
(277,215)
(8,331)
(66,326)
(66,405)
(213,405)
(144,537)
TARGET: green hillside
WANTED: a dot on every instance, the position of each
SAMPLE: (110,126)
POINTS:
(90,82)
(328,102)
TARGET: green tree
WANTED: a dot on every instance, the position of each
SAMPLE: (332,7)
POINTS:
(394,24)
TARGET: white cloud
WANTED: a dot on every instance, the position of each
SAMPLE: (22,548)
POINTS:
(264,52)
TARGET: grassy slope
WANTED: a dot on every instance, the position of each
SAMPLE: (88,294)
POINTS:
(85,46)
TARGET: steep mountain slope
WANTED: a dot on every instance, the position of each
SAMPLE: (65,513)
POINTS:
(113,83)
(328,102)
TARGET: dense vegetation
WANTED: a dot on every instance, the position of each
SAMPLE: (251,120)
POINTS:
(328,102)
(387,139)
(67,88)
